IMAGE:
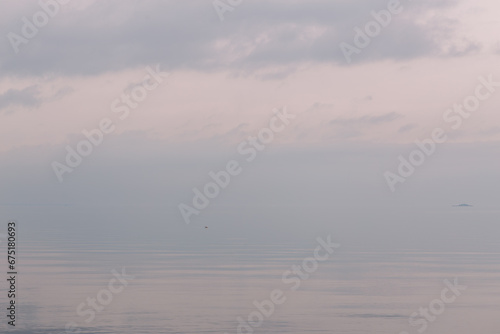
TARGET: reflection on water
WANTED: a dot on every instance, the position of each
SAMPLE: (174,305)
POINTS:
(182,290)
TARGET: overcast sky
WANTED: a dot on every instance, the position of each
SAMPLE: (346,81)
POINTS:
(220,81)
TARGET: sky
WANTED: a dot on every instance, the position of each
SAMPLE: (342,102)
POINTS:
(217,73)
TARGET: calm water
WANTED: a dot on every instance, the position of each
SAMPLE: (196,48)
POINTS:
(182,289)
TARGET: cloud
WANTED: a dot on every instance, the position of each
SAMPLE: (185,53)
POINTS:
(496,48)
(276,74)
(367,120)
(407,127)
(367,99)
(27,97)
(318,106)
(115,35)
(62,92)
(491,131)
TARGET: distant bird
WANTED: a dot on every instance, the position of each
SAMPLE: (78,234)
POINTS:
(462,205)
(206,226)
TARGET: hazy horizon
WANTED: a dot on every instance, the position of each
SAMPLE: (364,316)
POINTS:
(208,146)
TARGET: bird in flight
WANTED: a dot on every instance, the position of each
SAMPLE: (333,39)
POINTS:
(206,226)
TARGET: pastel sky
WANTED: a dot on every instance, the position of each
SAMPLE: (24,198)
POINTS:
(229,75)
(225,78)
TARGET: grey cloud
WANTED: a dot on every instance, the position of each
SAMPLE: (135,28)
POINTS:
(277,74)
(466,48)
(492,131)
(64,91)
(114,35)
(318,106)
(27,97)
(407,127)
(369,315)
(344,133)
(366,119)
(240,130)
(496,48)
(366,99)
